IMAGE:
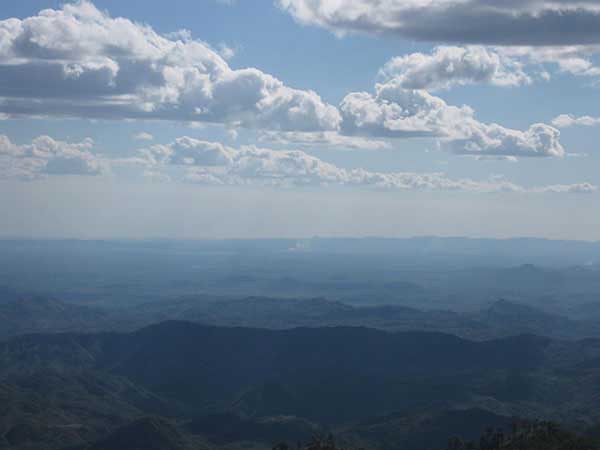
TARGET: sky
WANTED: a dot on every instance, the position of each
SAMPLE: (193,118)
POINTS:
(293,118)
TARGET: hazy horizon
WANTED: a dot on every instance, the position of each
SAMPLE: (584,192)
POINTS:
(76,209)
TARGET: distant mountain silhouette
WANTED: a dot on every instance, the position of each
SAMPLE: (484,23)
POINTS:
(501,319)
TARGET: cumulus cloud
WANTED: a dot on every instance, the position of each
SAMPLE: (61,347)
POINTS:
(561,33)
(323,139)
(570,59)
(226,51)
(216,164)
(523,22)
(484,140)
(568,120)
(197,161)
(46,156)
(143,136)
(395,112)
(79,61)
(187,151)
(450,66)
(564,34)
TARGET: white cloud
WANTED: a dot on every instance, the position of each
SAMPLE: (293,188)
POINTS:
(568,120)
(450,66)
(79,61)
(524,22)
(46,156)
(483,140)
(585,188)
(214,163)
(226,51)
(192,160)
(562,33)
(325,139)
(570,59)
(143,136)
(233,134)
(395,112)
(187,151)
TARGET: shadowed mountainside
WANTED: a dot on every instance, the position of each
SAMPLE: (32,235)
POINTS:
(228,385)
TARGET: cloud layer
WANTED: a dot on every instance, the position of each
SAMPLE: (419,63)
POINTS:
(203,162)
(324,139)
(46,156)
(213,163)
(78,61)
(522,22)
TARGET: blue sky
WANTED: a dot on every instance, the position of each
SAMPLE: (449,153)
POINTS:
(150,106)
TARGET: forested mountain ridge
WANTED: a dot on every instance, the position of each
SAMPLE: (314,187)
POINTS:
(370,385)
(501,318)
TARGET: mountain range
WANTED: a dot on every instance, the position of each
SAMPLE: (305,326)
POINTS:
(364,384)
(502,318)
